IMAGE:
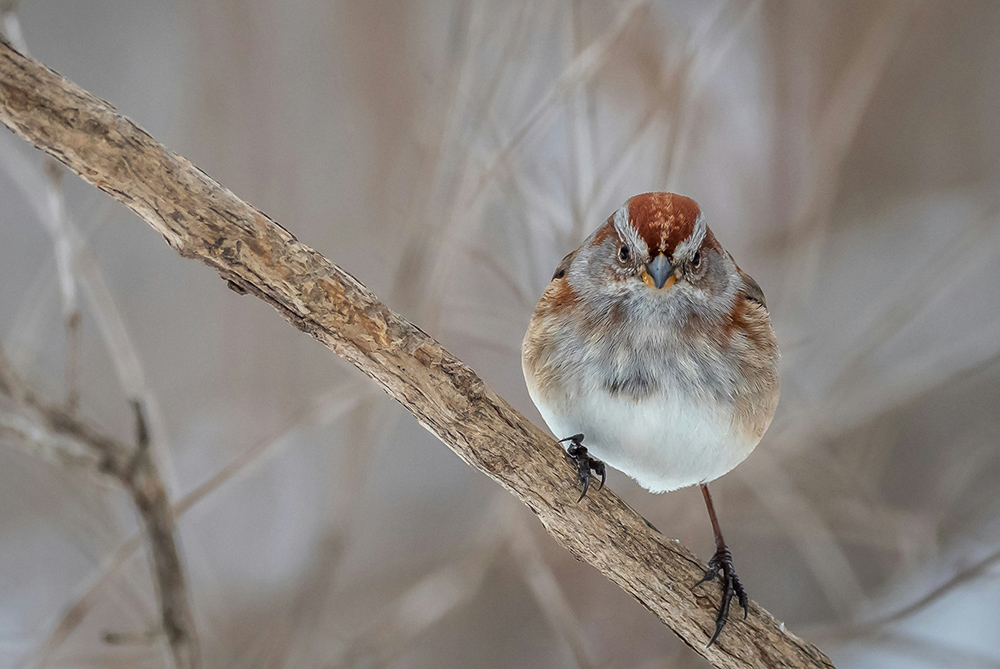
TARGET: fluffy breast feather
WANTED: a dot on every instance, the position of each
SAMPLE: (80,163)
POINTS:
(579,357)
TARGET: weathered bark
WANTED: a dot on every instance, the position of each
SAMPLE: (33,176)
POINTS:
(203,220)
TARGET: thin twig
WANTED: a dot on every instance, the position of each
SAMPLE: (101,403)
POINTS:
(807,529)
(10,383)
(59,229)
(437,594)
(924,651)
(873,625)
(545,589)
(579,70)
(327,408)
(35,187)
(135,471)
(833,131)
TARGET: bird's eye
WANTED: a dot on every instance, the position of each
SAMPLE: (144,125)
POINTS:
(623,253)
(696,261)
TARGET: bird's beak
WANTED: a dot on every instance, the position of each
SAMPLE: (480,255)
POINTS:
(658,273)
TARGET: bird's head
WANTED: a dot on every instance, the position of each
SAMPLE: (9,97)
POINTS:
(656,256)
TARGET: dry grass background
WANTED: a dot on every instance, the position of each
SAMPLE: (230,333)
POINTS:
(448,154)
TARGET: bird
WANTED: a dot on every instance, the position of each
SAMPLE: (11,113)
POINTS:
(651,345)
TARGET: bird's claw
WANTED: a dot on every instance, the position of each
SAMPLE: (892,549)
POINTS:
(584,463)
(721,565)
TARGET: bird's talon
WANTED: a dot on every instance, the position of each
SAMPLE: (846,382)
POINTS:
(721,565)
(584,463)
(718,630)
(583,476)
(709,575)
(711,572)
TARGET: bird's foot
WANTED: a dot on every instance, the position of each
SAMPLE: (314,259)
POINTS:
(721,565)
(584,463)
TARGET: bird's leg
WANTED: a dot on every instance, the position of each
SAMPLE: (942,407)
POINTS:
(722,563)
(584,463)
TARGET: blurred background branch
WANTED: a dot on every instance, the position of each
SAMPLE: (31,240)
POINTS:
(53,432)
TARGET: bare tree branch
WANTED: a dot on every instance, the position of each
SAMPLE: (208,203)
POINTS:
(203,220)
(326,408)
(135,471)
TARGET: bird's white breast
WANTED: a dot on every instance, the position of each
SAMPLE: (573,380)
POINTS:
(665,441)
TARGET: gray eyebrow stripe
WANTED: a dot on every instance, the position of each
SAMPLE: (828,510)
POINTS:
(626,231)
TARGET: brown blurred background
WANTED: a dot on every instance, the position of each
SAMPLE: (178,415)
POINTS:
(448,154)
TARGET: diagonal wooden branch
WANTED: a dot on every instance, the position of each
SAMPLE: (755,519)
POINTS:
(203,220)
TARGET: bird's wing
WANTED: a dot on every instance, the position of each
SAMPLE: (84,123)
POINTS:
(563,265)
(751,289)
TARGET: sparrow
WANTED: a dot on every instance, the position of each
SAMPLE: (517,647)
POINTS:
(653,345)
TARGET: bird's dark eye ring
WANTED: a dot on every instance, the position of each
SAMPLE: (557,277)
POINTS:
(623,253)
(696,261)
